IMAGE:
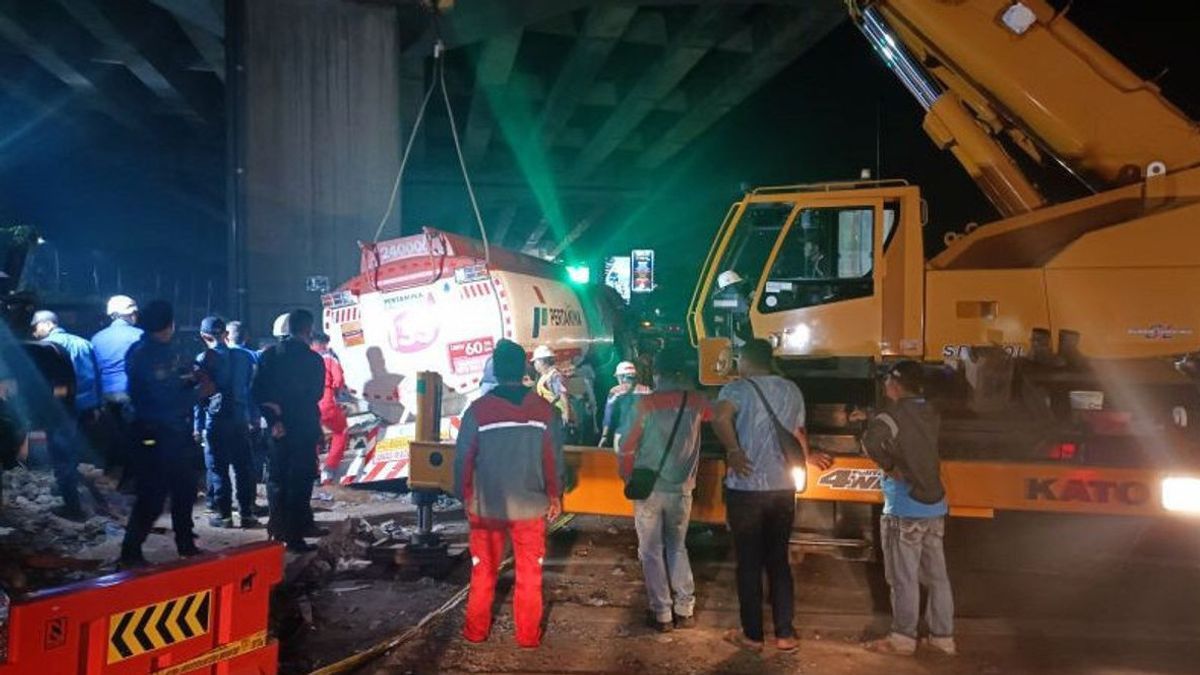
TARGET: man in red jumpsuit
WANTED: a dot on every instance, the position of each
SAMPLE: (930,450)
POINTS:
(333,417)
(509,472)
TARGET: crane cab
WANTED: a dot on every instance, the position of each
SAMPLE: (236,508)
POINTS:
(829,273)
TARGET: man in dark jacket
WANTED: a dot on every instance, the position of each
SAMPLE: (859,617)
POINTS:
(903,441)
(163,388)
(222,424)
(287,388)
(509,472)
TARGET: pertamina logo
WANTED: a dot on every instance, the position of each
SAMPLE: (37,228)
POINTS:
(860,480)
(555,317)
(1129,492)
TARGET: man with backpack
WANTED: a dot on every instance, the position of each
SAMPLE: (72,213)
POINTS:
(903,441)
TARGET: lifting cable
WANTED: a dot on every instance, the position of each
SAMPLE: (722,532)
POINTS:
(437,81)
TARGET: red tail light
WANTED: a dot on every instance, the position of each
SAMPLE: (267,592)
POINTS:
(1064,451)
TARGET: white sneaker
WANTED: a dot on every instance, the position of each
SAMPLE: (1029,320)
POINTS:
(941,645)
(899,645)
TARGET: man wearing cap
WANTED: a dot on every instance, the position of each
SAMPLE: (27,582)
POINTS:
(163,388)
(64,438)
(903,441)
(618,402)
(509,473)
(288,387)
(222,424)
(111,344)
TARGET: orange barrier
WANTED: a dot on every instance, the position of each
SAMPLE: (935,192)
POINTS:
(203,615)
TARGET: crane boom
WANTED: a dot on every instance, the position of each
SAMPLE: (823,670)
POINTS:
(1026,74)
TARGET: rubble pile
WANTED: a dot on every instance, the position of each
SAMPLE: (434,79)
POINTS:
(352,592)
(36,546)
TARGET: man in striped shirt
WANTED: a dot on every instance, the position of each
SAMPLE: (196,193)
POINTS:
(509,472)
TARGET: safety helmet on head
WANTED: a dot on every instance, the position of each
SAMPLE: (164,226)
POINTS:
(543,352)
(120,305)
(281,328)
(728,278)
(625,368)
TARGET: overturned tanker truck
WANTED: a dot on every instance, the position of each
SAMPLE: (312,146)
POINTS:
(439,302)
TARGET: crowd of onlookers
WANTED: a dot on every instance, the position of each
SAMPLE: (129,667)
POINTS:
(161,418)
(510,474)
(259,416)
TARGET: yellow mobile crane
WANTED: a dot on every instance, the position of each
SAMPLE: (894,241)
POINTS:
(1058,328)
(1052,335)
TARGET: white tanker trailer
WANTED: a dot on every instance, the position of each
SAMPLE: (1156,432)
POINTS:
(434,302)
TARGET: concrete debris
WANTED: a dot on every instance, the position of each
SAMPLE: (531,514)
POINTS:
(351,565)
(349,588)
(29,524)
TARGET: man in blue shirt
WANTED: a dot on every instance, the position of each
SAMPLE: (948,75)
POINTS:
(222,423)
(903,441)
(111,344)
(64,437)
(163,388)
(760,489)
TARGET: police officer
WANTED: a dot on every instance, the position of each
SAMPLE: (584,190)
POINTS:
(64,437)
(163,388)
(235,339)
(288,386)
(222,424)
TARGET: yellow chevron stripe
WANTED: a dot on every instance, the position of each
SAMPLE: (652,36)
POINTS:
(173,621)
(152,630)
(122,626)
(193,617)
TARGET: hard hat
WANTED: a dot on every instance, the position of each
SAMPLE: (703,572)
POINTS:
(625,368)
(121,305)
(43,315)
(543,352)
(281,329)
(728,278)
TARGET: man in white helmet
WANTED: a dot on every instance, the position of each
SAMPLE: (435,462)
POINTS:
(280,328)
(551,385)
(111,343)
(618,401)
(110,346)
(732,305)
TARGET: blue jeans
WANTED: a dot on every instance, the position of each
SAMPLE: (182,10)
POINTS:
(661,521)
(913,556)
